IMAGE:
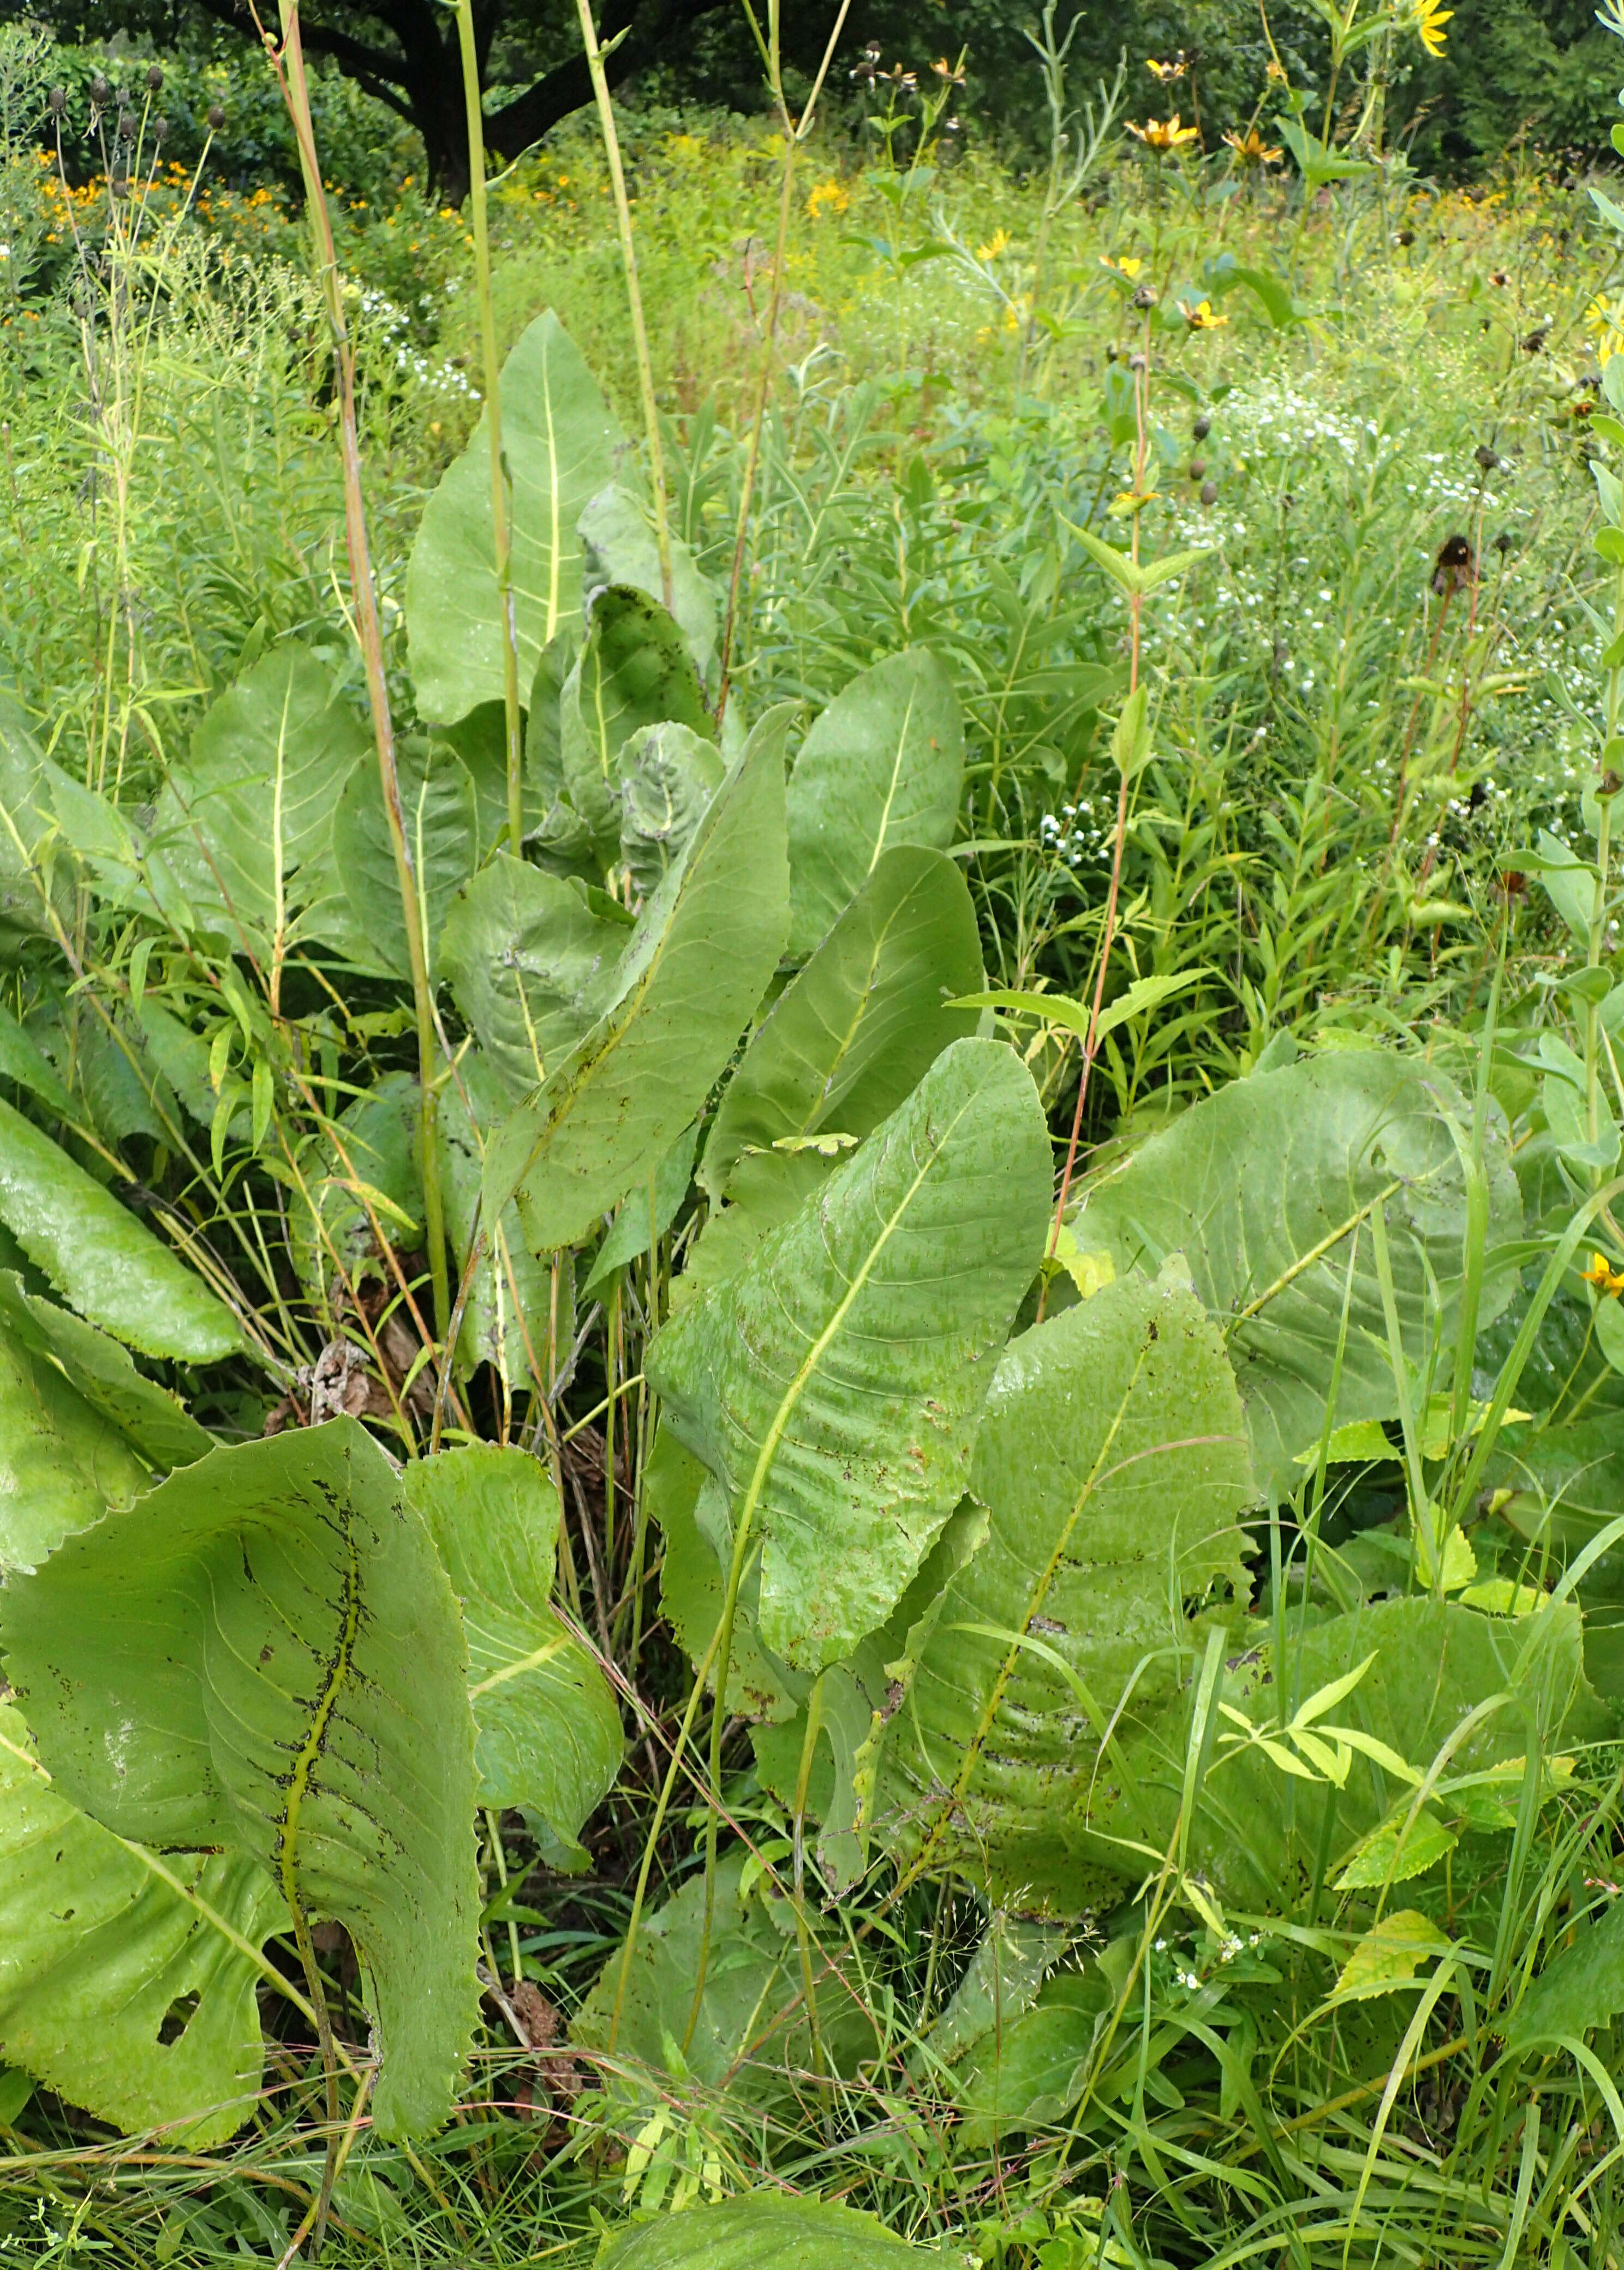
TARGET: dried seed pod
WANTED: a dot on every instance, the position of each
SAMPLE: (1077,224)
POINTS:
(1406,236)
(126,125)
(1209,493)
(154,77)
(1136,363)
(57,100)
(1453,569)
(101,93)
(1197,469)
(1202,427)
(1145,297)
(160,127)
(1486,457)
(215,117)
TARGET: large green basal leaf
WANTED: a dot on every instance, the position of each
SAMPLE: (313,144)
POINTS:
(243,822)
(1580,1988)
(440,814)
(531,965)
(1559,1488)
(547,1731)
(265,1658)
(619,546)
(634,672)
(100,1258)
(668,776)
(834,1386)
(1112,1461)
(882,765)
(769,2230)
(751,2036)
(26,818)
(692,1582)
(863,1020)
(81,1431)
(119,1987)
(1263,1186)
(561,442)
(695,968)
(505,1317)
(1257,1829)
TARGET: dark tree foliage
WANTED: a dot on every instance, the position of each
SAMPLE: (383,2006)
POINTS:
(1540,69)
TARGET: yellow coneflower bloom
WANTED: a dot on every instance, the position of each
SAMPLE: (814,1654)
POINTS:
(1608,1281)
(1162,133)
(1252,150)
(1429,20)
(1202,318)
(1125,266)
(1166,73)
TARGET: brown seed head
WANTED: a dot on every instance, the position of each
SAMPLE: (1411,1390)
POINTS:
(1209,493)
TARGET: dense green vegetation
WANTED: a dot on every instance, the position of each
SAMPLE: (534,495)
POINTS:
(812,1309)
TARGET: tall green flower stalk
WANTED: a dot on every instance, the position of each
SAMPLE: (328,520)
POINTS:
(502,496)
(289,64)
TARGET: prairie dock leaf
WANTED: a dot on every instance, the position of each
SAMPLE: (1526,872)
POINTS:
(263,1657)
(1112,1460)
(695,968)
(108,1264)
(882,765)
(560,440)
(1264,1186)
(768,2227)
(127,1979)
(834,1386)
(547,1733)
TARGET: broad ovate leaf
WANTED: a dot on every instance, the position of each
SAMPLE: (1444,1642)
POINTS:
(26,819)
(668,776)
(882,765)
(126,1977)
(1267,1189)
(440,814)
(863,1020)
(619,546)
(81,1431)
(634,672)
(531,962)
(834,1386)
(561,442)
(264,1658)
(767,2231)
(695,968)
(547,1732)
(102,1261)
(1581,1986)
(243,822)
(1112,1461)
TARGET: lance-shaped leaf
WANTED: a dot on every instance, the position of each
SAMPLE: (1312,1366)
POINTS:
(243,822)
(1264,1186)
(440,814)
(547,1731)
(265,1658)
(865,1018)
(703,950)
(882,765)
(834,1386)
(766,2229)
(634,671)
(126,1977)
(531,963)
(1112,1461)
(100,1258)
(81,1431)
(560,440)
(26,819)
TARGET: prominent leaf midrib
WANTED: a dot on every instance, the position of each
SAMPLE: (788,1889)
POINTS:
(517,1669)
(896,774)
(1040,1593)
(814,1354)
(338,1671)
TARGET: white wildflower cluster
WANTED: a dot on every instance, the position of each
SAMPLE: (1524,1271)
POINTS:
(1073,835)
